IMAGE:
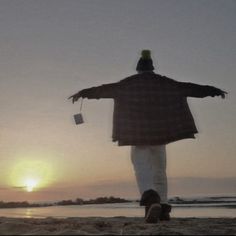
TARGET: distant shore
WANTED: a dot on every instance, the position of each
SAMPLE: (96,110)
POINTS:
(78,201)
(229,202)
(116,226)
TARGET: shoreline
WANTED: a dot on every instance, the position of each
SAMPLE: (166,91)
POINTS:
(116,226)
(221,201)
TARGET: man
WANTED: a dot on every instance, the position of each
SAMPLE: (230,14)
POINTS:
(150,111)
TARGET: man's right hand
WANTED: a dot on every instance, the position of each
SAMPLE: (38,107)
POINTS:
(75,97)
(217,92)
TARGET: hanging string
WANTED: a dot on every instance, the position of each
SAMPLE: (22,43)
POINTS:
(81,104)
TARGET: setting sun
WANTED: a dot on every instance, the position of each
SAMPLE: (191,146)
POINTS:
(30,175)
(30,184)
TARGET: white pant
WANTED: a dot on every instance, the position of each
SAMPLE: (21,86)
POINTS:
(150,169)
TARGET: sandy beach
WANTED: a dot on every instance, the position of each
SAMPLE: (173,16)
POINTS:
(116,226)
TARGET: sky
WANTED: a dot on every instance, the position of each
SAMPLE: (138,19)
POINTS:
(52,49)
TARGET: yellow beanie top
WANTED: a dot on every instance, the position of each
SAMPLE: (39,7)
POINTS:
(146,54)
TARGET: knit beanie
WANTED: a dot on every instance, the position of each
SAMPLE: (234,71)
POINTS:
(145,62)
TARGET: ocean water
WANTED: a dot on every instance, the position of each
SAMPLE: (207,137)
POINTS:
(119,209)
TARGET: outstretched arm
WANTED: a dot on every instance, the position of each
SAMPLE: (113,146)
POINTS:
(103,91)
(200,91)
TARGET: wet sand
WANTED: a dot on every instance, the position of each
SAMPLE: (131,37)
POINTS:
(116,226)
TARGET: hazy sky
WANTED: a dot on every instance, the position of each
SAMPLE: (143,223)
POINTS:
(51,49)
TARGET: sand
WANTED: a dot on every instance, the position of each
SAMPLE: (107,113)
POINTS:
(116,226)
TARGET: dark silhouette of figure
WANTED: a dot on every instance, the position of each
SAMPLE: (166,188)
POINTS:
(150,111)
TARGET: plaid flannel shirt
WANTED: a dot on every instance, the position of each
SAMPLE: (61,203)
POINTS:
(150,109)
